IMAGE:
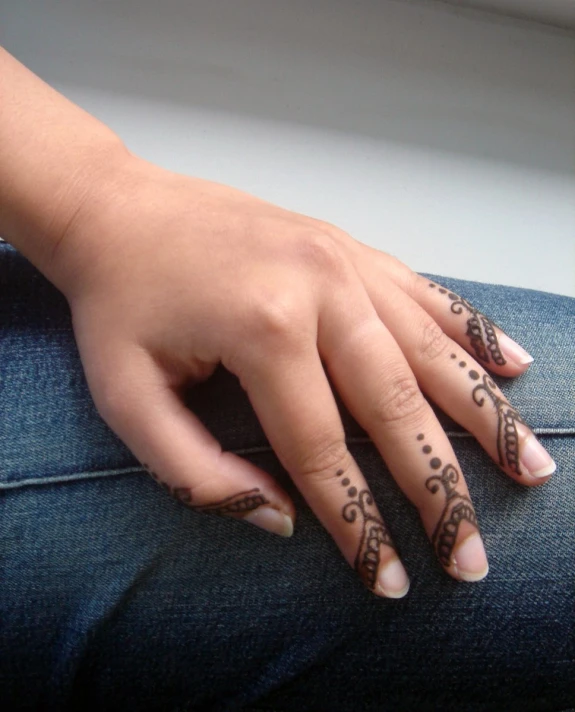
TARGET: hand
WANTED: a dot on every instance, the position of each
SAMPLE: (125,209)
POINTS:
(168,276)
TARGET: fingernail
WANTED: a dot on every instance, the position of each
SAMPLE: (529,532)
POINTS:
(513,351)
(470,559)
(271,520)
(535,458)
(392,580)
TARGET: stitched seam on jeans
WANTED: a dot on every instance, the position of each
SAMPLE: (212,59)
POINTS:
(364,440)
(70,478)
(33,481)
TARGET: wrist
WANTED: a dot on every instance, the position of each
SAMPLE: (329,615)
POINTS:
(73,240)
(111,199)
(37,212)
(52,154)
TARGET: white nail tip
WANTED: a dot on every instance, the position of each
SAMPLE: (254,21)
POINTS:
(468,556)
(513,351)
(392,580)
(535,459)
(467,576)
(394,594)
(546,471)
(271,520)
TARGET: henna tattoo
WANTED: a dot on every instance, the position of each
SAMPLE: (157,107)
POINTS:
(374,533)
(480,329)
(457,509)
(235,505)
(507,419)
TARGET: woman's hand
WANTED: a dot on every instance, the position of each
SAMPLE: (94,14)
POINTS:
(168,276)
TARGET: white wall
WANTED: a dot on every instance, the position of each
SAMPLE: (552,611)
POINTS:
(555,12)
(444,136)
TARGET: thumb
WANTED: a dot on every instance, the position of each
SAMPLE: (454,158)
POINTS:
(174,446)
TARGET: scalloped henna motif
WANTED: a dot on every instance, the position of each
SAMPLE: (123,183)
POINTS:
(507,419)
(235,505)
(480,329)
(374,535)
(458,508)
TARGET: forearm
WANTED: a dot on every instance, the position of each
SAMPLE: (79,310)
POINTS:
(51,154)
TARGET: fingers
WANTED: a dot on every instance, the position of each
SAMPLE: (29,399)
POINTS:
(295,405)
(457,317)
(180,454)
(380,390)
(455,534)
(471,329)
(463,389)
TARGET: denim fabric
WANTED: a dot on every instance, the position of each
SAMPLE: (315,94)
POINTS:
(113,596)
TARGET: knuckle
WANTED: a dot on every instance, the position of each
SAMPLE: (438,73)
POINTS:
(113,401)
(411,281)
(331,230)
(275,318)
(326,459)
(433,342)
(401,400)
(318,250)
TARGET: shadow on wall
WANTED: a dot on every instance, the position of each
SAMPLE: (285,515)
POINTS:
(396,70)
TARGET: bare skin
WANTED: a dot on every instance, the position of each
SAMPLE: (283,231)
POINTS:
(168,276)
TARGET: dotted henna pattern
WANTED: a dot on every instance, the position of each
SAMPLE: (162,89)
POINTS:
(507,418)
(480,329)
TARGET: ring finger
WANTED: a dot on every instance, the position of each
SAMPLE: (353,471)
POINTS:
(463,389)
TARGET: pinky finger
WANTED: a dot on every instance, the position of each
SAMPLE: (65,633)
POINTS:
(178,451)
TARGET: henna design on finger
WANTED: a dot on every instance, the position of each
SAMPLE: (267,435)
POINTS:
(507,419)
(458,508)
(235,505)
(480,329)
(374,533)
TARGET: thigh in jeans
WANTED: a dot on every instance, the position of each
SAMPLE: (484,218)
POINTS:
(114,596)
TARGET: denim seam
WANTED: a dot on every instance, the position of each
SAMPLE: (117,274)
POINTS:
(34,481)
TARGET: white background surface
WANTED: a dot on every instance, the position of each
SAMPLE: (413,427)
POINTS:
(557,12)
(443,136)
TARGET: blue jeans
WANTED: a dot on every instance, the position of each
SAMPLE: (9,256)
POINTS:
(114,596)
